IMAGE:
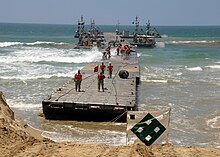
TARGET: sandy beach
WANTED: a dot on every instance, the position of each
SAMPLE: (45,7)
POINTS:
(19,139)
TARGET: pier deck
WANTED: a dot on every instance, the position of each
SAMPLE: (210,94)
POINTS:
(119,96)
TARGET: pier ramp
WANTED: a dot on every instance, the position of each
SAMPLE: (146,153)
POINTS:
(119,96)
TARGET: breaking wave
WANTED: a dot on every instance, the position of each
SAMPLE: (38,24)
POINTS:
(195,69)
(160,44)
(39,54)
(213,66)
(164,36)
(214,122)
(159,80)
(193,42)
(153,81)
(22,105)
(36,76)
(8,44)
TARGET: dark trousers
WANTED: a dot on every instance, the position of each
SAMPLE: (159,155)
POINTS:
(78,84)
(110,73)
(101,83)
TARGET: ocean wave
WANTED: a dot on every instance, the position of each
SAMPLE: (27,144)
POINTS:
(108,137)
(196,42)
(214,122)
(195,69)
(160,44)
(39,54)
(161,75)
(42,43)
(164,36)
(35,77)
(193,42)
(22,105)
(8,44)
(160,81)
(145,55)
(213,66)
(153,81)
(138,54)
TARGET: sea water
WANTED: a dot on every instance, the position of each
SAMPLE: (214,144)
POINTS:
(182,72)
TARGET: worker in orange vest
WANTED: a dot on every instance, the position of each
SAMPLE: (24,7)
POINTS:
(101,78)
(96,68)
(78,80)
(102,68)
(110,69)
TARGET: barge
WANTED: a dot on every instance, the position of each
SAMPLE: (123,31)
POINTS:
(119,96)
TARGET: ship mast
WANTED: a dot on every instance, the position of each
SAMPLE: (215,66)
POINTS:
(148,27)
(80,27)
(136,22)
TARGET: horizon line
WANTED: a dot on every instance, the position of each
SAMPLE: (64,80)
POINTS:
(176,25)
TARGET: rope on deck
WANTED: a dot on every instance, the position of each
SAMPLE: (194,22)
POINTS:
(72,88)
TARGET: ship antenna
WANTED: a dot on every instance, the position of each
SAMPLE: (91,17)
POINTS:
(136,25)
(148,27)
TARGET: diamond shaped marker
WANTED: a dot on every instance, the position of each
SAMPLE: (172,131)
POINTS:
(156,129)
(140,129)
(148,137)
(148,129)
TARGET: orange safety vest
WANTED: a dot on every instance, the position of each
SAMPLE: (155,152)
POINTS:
(96,69)
(110,67)
(78,76)
(102,66)
(101,77)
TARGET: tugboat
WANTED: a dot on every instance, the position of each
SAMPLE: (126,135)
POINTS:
(94,37)
(141,38)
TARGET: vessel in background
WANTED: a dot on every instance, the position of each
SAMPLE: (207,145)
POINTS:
(94,37)
(142,37)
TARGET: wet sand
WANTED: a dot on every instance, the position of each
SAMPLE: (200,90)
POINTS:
(18,139)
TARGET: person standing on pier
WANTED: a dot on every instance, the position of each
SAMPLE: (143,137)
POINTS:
(108,52)
(78,80)
(101,78)
(102,67)
(118,50)
(110,69)
(96,69)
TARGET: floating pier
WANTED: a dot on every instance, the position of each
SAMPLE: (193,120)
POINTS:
(119,96)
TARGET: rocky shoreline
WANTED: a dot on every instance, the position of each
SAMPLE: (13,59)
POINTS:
(17,139)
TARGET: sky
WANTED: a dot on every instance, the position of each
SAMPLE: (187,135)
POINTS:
(111,12)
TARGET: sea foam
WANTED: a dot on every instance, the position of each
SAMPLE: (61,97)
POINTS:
(160,44)
(213,66)
(22,105)
(214,122)
(7,44)
(193,42)
(42,63)
(39,54)
(37,76)
(153,81)
(194,69)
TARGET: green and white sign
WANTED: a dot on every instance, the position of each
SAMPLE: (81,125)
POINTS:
(148,129)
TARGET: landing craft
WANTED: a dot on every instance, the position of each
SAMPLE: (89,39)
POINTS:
(94,37)
(141,38)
